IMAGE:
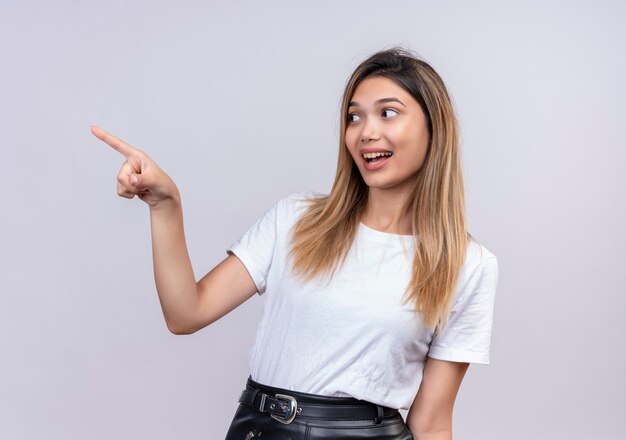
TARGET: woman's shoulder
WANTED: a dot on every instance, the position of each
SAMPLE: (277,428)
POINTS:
(297,200)
(478,255)
(289,207)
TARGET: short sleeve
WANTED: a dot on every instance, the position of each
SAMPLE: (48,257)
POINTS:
(255,248)
(466,337)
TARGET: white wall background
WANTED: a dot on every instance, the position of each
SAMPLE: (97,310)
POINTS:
(238,102)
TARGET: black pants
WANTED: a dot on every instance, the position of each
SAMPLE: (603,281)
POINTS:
(251,424)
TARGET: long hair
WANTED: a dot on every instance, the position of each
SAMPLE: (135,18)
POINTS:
(322,236)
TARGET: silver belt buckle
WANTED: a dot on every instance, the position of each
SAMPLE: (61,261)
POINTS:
(290,410)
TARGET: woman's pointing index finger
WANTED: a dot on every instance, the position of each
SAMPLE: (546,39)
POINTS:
(113,141)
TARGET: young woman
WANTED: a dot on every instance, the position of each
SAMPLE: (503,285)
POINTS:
(377,296)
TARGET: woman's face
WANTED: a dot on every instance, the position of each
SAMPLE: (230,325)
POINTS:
(382,116)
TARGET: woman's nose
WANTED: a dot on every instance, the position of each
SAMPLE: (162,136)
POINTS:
(370,131)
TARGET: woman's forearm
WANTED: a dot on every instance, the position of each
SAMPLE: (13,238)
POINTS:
(173,273)
(436,434)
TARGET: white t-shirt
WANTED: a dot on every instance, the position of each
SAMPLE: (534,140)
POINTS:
(352,336)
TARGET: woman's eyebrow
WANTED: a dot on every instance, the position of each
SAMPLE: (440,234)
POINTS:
(380,101)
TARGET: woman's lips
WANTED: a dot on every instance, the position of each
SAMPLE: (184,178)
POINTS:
(377,165)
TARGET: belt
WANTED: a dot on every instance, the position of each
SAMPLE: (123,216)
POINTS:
(285,408)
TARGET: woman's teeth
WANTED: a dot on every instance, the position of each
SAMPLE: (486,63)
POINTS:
(370,156)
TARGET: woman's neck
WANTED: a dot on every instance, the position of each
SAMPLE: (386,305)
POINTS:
(383,211)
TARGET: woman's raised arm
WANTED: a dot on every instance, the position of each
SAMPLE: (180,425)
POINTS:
(187,306)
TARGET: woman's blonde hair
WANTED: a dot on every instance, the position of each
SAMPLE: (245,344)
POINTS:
(324,233)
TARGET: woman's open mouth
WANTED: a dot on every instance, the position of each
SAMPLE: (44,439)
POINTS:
(375,161)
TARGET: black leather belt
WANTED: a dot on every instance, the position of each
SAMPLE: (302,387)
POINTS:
(284,407)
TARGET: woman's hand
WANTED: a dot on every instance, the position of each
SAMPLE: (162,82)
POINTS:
(140,175)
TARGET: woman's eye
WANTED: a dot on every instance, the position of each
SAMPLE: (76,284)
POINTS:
(350,115)
(390,110)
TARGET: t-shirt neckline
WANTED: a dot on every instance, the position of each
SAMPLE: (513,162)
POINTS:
(381,236)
